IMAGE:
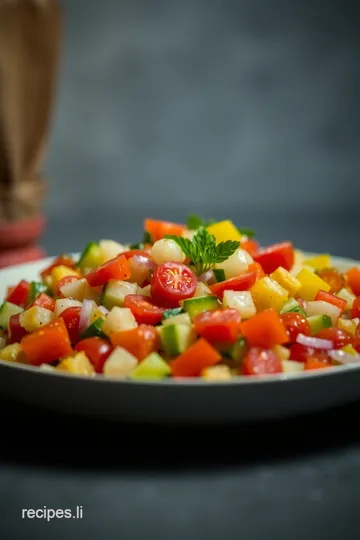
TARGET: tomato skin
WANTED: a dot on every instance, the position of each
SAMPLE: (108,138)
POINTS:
(16,331)
(144,309)
(19,294)
(300,353)
(218,325)
(45,301)
(333,278)
(140,341)
(71,317)
(241,283)
(97,350)
(276,255)
(116,268)
(339,337)
(259,361)
(355,310)
(295,324)
(171,283)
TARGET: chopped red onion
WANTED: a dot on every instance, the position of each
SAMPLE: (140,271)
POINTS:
(343,357)
(141,268)
(208,277)
(85,314)
(314,342)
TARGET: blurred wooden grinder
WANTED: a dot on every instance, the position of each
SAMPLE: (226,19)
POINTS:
(29,50)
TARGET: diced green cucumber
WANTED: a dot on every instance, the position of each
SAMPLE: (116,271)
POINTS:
(176,338)
(91,256)
(219,274)
(197,305)
(318,323)
(94,330)
(152,367)
(8,309)
(36,288)
(292,306)
(114,292)
(172,312)
(183,318)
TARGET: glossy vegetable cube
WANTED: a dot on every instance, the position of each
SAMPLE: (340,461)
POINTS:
(321,261)
(349,349)
(60,272)
(216,373)
(348,325)
(268,293)
(286,280)
(224,230)
(13,353)
(311,284)
(78,364)
(35,317)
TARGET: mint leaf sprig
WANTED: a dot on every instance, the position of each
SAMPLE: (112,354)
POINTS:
(203,251)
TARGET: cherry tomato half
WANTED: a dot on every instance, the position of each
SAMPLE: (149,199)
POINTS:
(260,361)
(300,353)
(144,309)
(171,283)
(339,337)
(276,255)
(295,324)
(71,317)
(333,278)
(218,325)
(355,310)
(240,283)
(96,349)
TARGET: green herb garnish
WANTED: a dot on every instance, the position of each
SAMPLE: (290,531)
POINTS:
(146,240)
(195,222)
(246,232)
(203,251)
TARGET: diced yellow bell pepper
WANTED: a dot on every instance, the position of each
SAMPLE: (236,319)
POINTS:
(349,349)
(321,261)
(268,293)
(286,280)
(78,365)
(13,353)
(60,272)
(224,230)
(216,373)
(347,324)
(33,318)
(282,352)
(311,284)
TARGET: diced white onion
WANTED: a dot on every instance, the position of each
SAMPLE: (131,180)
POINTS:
(76,289)
(319,307)
(63,303)
(85,314)
(202,290)
(343,357)
(237,264)
(348,296)
(167,250)
(119,319)
(316,343)
(240,300)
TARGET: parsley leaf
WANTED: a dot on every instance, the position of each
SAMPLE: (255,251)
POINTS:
(146,240)
(203,251)
(247,232)
(195,222)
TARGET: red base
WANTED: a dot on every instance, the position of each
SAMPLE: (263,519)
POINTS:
(21,233)
(20,256)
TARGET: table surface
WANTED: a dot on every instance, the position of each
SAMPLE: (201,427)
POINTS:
(290,480)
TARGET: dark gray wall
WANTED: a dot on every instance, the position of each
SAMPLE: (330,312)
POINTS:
(245,108)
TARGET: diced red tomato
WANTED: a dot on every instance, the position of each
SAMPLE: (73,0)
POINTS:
(258,269)
(356,340)
(158,229)
(331,299)
(259,361)
(339,337)
(97,350)
(250,245)
(117,268)
(300,353)
(314,363)
(355,310)
(45,301)
(353,280)
(64,281)
(265,329)
(199,356)
(240,283)
(171,283)
(333,278)
(218,325)
(16,331)
(63,260)
(295,324)
(276,255)
(47,344)
(19,294)
(71,317)
(140,341)
(144,309)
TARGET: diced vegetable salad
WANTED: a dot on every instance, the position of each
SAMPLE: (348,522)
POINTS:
(198,300)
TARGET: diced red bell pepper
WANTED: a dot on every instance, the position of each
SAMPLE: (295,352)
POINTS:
(140,341)
(49,343)
(117,268)
(259,361)
(45,301)
(196,358)
(71,316)
(19,294)
(314,363)
(240,283)
(353,280)
(265,329)
(62,260)
(158,229)
(16,331)
(331,299)
(355,310)
(276,255)
(218,325)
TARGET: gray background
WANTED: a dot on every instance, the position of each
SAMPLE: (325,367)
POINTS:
(248,109)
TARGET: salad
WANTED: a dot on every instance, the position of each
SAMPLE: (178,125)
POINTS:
(201,299)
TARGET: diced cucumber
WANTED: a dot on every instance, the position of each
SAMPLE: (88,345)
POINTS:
(318,323)
(219,274)
(183,318)
(114,292)
(172,312)
(152,367)
(292,306)
(36,288)
(7,309)
(91,257)
(239,350)
(194,306)
(94,330)
(176,338)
